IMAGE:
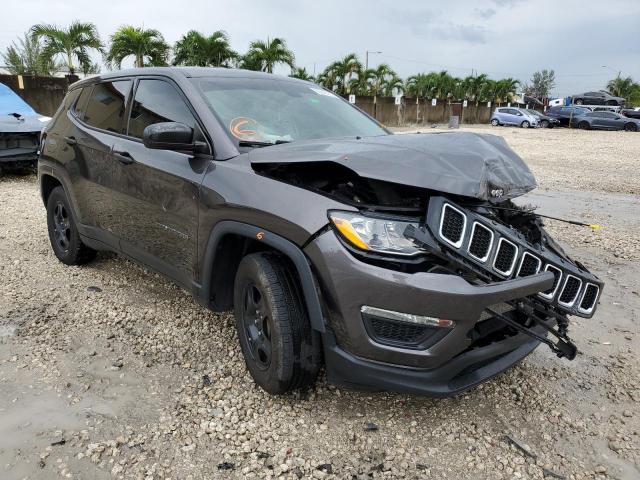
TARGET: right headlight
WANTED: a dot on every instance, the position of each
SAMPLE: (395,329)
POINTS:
(374,234)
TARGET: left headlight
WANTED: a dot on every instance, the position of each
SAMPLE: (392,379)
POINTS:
(374,234)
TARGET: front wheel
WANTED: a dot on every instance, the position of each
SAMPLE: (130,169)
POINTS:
(63,232)
(584,126)
(525,124)
(578,101)
(544,123)
(273,327)
(495,122)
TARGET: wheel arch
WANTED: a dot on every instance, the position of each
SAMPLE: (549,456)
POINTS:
(47,184)
(229,241)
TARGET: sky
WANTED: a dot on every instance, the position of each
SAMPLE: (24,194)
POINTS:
(586,42)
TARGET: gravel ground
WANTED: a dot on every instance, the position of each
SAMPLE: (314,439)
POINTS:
(109,371)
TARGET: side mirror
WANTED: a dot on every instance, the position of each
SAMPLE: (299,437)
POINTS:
(171,136)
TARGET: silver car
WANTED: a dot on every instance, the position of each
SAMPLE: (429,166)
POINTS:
(513,116)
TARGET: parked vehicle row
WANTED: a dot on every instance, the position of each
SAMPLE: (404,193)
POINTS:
(599,118)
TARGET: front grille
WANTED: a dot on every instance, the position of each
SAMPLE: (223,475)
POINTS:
(452,225)
(481,241)
(570,291)
(589,298)
(529,265)
(505,257)
(399,332)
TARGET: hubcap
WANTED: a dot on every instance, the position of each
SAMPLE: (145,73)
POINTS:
(61,226)
(257,326)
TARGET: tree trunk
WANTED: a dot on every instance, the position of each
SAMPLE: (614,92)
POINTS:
(72,69)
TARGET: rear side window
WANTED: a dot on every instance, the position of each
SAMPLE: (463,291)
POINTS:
(107,105)
(157,101)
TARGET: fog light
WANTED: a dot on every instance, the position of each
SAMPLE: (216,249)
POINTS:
(407,317)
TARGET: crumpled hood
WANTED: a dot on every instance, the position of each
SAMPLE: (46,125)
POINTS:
(24,124)
(460,163)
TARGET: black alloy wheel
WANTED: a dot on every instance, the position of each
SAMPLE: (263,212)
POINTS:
(61,226)
(257,326)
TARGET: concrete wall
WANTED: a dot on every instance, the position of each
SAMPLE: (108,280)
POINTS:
(44,94)
(421,112)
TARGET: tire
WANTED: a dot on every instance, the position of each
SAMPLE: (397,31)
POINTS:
(495,122)
(578,101)
(630,127)
(63,232)
(273,327)
(545,124)
(525,124)
(584,126)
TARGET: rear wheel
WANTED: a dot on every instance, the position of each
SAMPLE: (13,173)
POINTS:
(631,127)
(584,126)
(63,232)
(495,122)
(525,124)
(273,327)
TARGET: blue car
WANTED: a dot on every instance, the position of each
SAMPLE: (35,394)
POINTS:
(513,116)
(20,128)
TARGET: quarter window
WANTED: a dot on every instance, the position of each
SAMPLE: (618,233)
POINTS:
(157,101)
(107,105)
(81,104)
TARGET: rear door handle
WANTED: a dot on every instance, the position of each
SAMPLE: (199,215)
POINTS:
(123,156)
(70,140)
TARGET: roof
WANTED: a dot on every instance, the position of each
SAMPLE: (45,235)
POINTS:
(188,72)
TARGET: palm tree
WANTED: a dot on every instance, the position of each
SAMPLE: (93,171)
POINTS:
(378,77)
(196,49)
(25,58)
(146,45)
(270,53)
(621,87)
(302,74)
(505,89)
(393,84)
(75,41)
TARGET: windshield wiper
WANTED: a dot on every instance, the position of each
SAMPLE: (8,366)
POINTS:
(256,143)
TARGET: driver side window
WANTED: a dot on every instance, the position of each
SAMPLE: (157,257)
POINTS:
(157,101)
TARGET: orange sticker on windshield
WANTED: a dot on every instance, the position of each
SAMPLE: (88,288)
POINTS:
(244,128)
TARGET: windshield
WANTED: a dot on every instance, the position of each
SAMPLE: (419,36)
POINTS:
(10,103)
(259,110)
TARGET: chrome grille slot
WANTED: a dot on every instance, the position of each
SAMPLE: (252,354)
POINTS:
(529,265)
(481,242)
(589,298)
(557,274)
(453,223)
(570,291)
(505,258)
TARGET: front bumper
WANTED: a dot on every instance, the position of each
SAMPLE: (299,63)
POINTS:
(347,284)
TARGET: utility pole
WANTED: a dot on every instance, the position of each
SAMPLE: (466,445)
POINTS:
(366,59)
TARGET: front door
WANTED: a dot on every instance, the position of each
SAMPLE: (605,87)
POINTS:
(158,190)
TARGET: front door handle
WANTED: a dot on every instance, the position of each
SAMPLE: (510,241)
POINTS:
(123,156)
(70,140)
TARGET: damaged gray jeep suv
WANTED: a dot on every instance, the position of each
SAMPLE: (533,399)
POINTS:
(397,262)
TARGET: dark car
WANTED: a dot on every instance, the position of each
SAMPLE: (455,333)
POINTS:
(566,115)
(607,121)
(399,262)
(631,112)
(600,97)
(544,121)
(20,128)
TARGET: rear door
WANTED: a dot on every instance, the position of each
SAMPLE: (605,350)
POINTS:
(99,115)
(157,191)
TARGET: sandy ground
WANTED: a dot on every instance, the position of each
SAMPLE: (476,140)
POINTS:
(109,371)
